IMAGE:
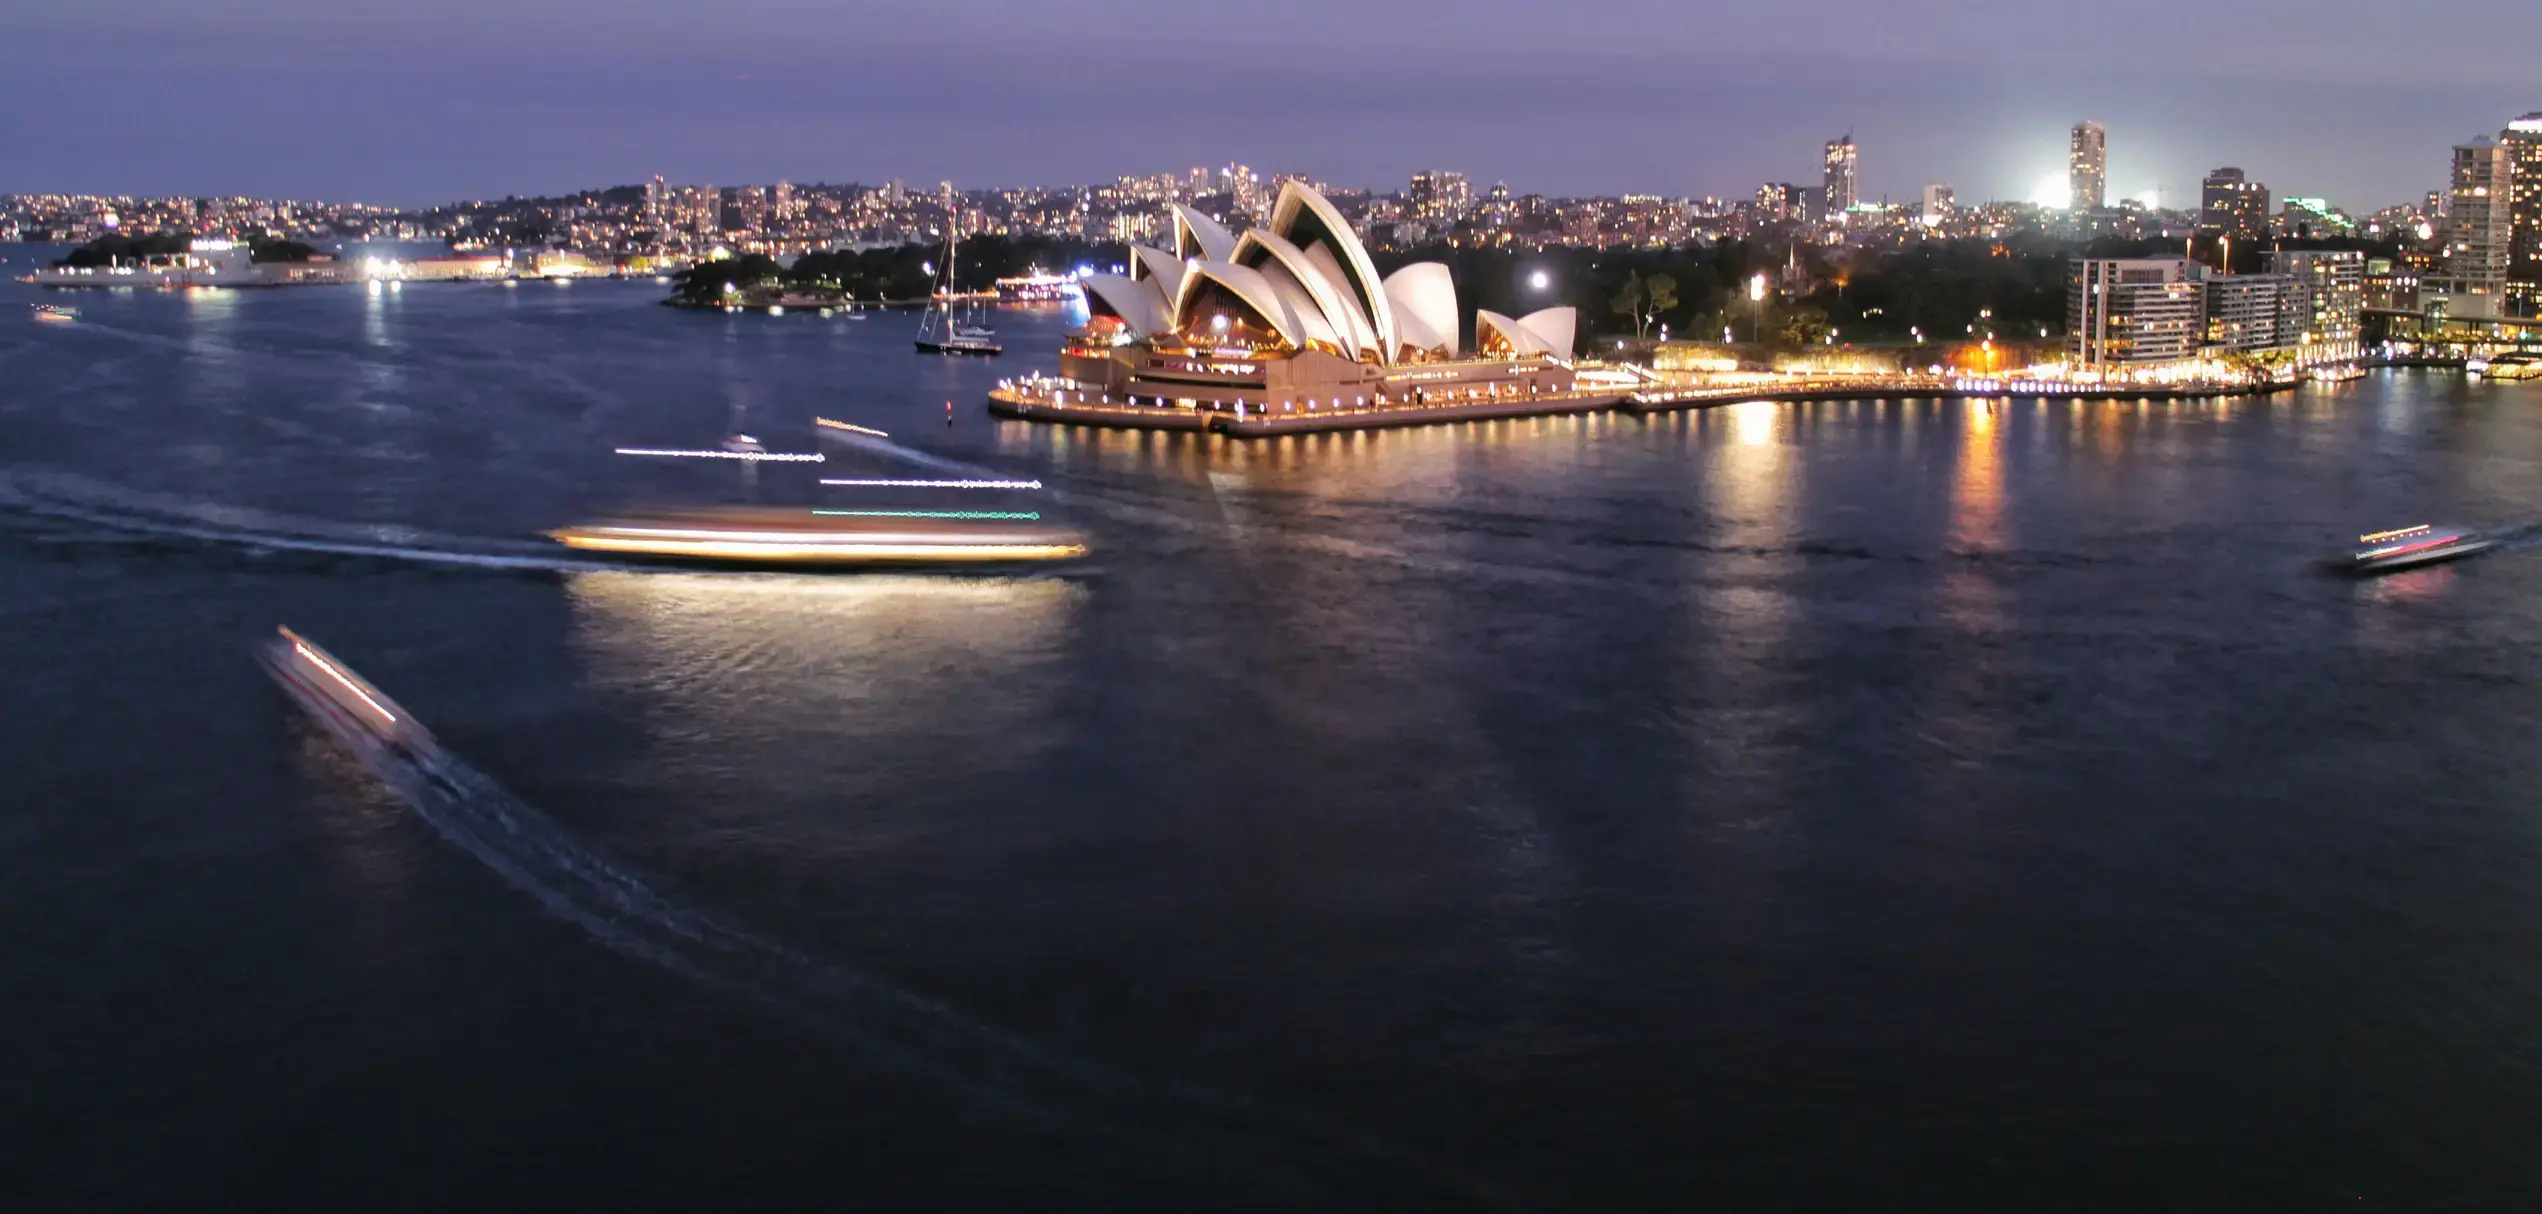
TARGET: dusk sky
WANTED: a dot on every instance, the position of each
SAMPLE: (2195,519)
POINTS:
(417,104)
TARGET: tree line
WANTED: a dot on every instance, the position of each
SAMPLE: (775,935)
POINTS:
(899,272)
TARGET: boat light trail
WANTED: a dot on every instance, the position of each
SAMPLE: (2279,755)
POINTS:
(339,676)
(971,514)
(893,484)
(826,423)
(778,457)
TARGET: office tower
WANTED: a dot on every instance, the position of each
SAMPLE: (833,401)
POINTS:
(2233,206)
(1775,201)
(2124,312)
(1421,197)
(2523,138)
(2087,167)
(1841,188)
(2479,234)
(2325,298)
(653,192)
(1938,201)
(781,202)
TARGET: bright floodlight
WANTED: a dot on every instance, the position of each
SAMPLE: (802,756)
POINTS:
(1540,280)
(2054,192)
(1756,288)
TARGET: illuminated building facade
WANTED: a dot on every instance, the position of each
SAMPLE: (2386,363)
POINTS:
(2245,313)
(2325,299)
(1939,202)
(2087,167)
(2232,206)
(1777,201)
(1843,182)
(2124,313)
(2479,231)
(2523,139)
(1292,316)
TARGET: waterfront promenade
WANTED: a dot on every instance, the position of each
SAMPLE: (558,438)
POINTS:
(1641,392)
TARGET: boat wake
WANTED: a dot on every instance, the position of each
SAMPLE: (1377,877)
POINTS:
(1293,1160)
(107,512)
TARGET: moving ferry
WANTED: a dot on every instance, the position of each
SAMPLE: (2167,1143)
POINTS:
(2409,547)
(361,716)
(768,537)
(56,313)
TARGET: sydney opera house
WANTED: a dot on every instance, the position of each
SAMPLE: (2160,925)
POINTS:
(1288,320)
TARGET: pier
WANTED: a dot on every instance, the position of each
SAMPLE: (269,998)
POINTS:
(1063,403)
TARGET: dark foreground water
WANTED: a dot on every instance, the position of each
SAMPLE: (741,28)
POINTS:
(1819,807)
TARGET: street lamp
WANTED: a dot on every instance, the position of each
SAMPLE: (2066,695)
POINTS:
(1756,301)
(1539,280)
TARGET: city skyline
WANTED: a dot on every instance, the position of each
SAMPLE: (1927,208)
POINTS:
(304,103)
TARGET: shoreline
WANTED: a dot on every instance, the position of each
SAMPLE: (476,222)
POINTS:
(1009,403)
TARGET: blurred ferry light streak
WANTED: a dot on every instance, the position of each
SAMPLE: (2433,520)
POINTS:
(782,457)
(755,534)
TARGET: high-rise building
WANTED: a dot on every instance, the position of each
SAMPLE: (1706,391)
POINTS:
(1439,195)
(1938,202)
(2523,138)
(1456,195)
(2125,312)
(2325,299)
(2480,233)
(1776,201)
(2247,313)
(2233,206)
(1842,186)
(2087,167)
(749,209)
(1242,186)
(706,211)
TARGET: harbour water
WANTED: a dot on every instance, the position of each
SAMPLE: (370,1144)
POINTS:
(1778,806)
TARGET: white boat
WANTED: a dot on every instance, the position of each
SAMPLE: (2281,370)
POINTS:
(374,727)
(940,331)
(2410,547)
(56,313)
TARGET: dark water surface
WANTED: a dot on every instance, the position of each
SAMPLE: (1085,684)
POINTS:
(1841,806)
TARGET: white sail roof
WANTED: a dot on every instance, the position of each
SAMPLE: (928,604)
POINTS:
(1330,301)
(1197,235)
(1148,262)
(1307,219)
(1423,298)
(1547,333)
(1141,305)
(1249,287)
(1555,328)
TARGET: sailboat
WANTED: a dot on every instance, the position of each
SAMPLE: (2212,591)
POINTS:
(939,332)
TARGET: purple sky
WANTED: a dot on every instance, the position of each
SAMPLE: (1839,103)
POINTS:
(420,103)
